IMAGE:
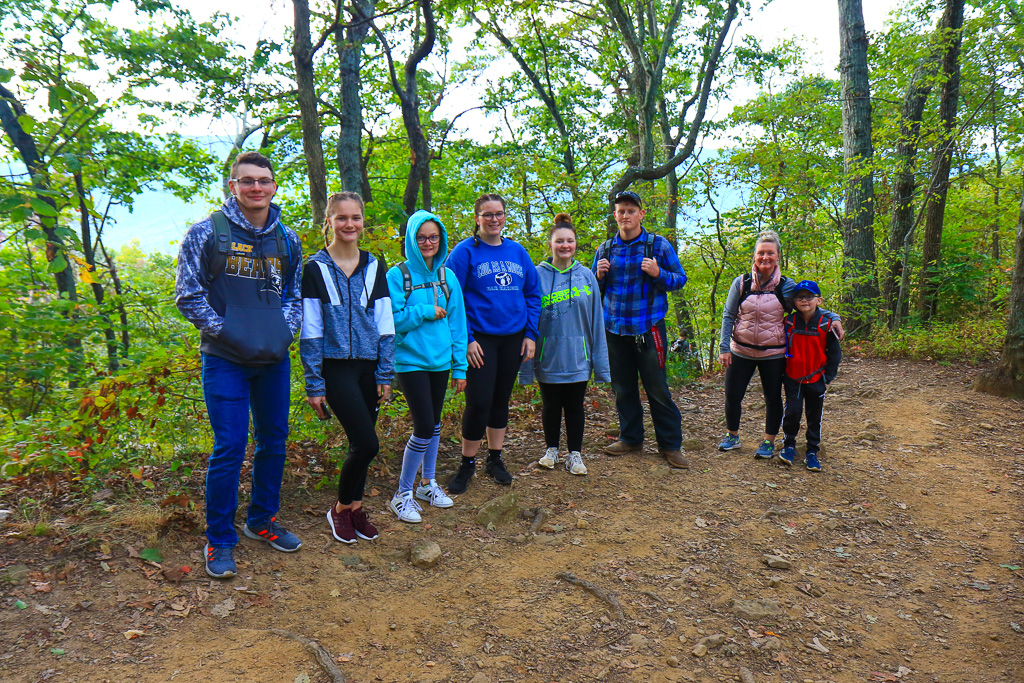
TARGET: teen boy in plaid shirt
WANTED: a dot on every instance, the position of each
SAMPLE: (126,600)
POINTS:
(635,270)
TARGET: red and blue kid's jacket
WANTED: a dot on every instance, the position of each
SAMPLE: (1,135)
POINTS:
(812,348)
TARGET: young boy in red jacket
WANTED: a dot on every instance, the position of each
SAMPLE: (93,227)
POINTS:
(812,361)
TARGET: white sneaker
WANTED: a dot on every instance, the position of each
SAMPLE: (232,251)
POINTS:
(407,509)
(574,463)
(434,494)
(549,459)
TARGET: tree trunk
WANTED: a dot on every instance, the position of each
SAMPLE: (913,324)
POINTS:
(97,287)
(902,223)
(932,247)
(1013,345)
(646,80)
(859,268)
(408,96)
(312,146)
(10,110)
(1008,378)
(348,41)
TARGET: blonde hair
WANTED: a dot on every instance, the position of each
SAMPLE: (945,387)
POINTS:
(771,236)
(332,202)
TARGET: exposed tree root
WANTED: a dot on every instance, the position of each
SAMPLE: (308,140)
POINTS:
(596,591)
(322,656)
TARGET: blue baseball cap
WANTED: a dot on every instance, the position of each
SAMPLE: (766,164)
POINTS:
(807,285)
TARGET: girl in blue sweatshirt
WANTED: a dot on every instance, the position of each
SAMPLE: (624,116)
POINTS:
(430,341)
(499,283)
(571,345)
(348,350)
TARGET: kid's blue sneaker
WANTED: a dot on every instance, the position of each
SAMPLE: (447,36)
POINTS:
(787,455)
(274,534)
(730,442)
(220,562)
(812,461)
(765,451)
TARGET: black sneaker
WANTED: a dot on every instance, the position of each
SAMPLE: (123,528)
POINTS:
(496,469)
(458,483)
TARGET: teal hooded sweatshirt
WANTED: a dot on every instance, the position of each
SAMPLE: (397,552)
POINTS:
(421,342)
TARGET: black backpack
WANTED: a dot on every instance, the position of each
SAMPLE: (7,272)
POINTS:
(442,281)
(605,251)
(747,286)
(218,246)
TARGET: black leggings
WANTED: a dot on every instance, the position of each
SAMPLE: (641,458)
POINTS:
(352,396)
(563,397)
(738,376)
(489,388)
(424,394)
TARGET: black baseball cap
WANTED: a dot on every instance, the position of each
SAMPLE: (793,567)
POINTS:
(628,196)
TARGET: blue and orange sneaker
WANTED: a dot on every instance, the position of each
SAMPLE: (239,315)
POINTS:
(220,562)
(274,534)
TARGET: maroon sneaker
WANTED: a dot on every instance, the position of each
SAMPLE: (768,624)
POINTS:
(362,524)
(341,525)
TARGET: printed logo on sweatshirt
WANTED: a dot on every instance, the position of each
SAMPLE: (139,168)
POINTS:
(502,272)
(564,295)
(243,248)
(503,279)
(252,268)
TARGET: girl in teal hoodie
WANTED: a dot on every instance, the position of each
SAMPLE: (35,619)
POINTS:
(430,341)
(571,345)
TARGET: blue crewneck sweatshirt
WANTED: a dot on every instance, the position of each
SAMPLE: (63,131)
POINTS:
(499,285)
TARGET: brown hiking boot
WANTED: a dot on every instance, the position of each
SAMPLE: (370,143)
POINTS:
(622,448)
(676,459)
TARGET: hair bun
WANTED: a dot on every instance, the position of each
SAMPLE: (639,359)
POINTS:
(563,218)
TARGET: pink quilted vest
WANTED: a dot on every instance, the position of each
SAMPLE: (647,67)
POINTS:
(759,322)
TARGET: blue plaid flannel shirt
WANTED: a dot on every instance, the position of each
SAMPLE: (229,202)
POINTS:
(629,307)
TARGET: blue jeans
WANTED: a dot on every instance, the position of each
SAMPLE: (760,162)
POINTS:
(627,360)
(231,392)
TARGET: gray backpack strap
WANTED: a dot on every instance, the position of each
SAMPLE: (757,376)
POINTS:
(406,278)
(219,244)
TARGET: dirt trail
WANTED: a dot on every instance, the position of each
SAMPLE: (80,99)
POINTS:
(895,550)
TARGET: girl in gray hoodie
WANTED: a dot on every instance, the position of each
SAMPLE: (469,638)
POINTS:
(570,346)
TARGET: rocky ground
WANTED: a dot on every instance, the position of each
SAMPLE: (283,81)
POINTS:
(899,562)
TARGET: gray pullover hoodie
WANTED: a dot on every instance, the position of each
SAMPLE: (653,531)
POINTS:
(571,342)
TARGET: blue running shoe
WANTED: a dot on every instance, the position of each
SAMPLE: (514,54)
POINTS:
(274,534)
(729,443)
(787,455)
(812,461)
(766,451)
(220,562)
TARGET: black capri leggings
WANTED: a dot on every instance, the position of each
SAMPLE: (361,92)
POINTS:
(352,396)
(489,388)
(737,377)
(424,394)
(558,398)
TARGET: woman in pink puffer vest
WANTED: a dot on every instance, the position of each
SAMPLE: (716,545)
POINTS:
(753,338)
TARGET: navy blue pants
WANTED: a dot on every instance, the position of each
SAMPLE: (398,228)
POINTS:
(232,392)
(798,397)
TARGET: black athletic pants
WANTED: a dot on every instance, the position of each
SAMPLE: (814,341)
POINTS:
(738,376)
(424,394)
(559,398)
(797,396)
(489,388)
(352,396)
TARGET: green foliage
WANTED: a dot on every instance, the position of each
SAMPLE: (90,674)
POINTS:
(968,340)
